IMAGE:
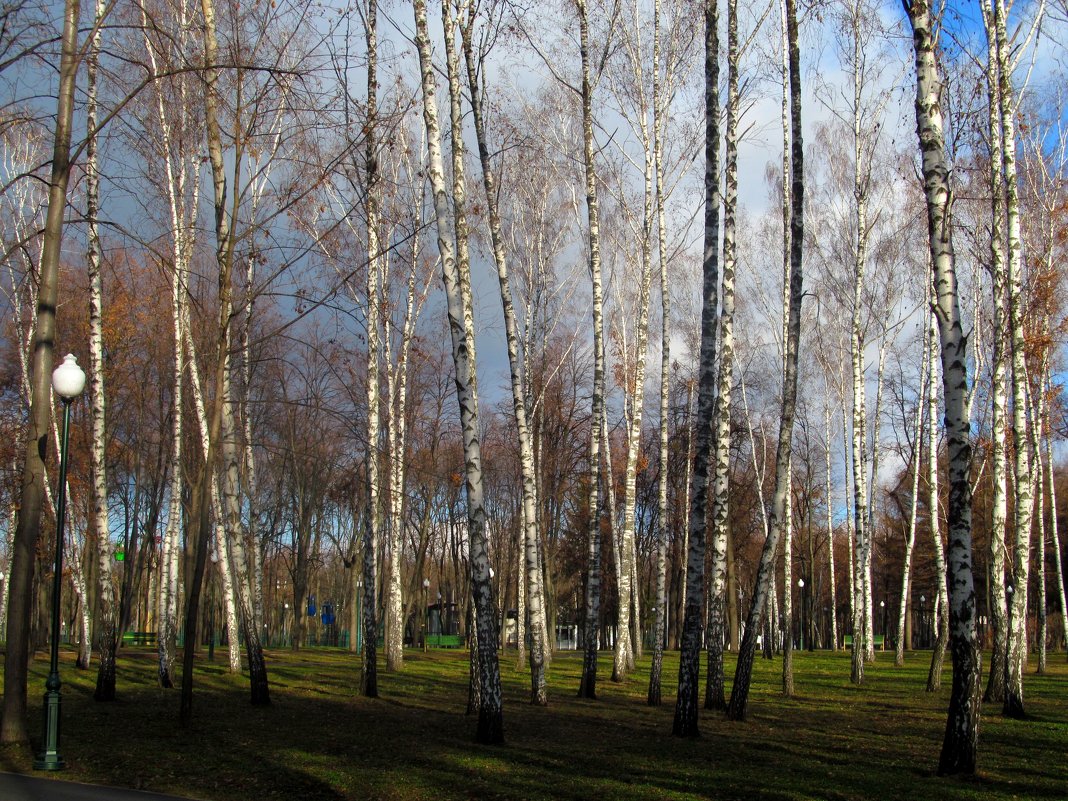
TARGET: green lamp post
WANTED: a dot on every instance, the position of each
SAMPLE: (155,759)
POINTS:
(68,381)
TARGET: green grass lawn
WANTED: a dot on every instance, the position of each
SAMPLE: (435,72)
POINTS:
(320,740)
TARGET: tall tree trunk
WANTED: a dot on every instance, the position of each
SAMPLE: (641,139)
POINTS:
(369,673)
(830,530)
(962,721)
(903,629)
(588,682)
(787,519)
(1024,506)
(1053,527)
(529,518)
(106,635)
(663,533)
(490,714)
(715,693)
(13,724)
(995,686)
(685,721)
(739,701)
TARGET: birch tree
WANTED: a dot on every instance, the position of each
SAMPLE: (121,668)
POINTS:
(106,634)
(685,720)
(958,755)
(529,517)
(739,701)
(490,713)
(369,672)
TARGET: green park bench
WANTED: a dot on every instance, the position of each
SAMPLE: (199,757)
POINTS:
(139,638)
(444,641)
(880,641)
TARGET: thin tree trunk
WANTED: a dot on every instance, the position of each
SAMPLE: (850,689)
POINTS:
(106,634)
(529,518)
(995,687)
(1024,506)
(830,531)
(962,721)
(910,536)
(739,701)
(1053,530)
(369,672)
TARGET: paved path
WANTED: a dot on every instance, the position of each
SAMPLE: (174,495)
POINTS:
(15,787)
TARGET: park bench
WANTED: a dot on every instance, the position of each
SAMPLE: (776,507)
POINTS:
(139,638)
(444,641)
(880,641)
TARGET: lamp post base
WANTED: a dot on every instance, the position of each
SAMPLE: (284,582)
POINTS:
(50,758)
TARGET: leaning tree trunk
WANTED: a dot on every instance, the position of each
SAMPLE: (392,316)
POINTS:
(715,693)
(739,701)
(490,713)
(962,721)
(535,600)
(685,721)
(13,723)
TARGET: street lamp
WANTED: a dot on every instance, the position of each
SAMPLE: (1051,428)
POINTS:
(923,622)
(426,611)
(882,606)
(801,587)
(68,381)
(359,615)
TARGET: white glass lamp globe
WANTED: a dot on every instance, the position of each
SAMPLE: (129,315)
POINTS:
(68,380)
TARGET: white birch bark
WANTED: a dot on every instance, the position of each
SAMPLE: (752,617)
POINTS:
(787,518)
(1022,467)
(739,700)
(959,745)
(588,682)
(372,522)
(529,583)
(660,612)
(685,720)
(181,172)
(106,630)
(830,529)
(491,718)
(934,675)
(221,551)
(917,451)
